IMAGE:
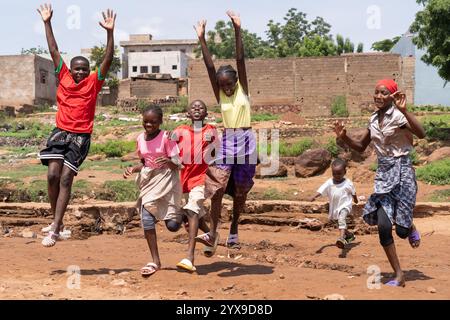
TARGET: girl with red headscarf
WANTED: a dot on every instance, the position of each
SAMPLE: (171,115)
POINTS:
(390,129)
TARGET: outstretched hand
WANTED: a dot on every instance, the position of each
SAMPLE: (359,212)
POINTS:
(235,18)
(200,28)
(46,12)
(339,129)
(109,20)
(399,100)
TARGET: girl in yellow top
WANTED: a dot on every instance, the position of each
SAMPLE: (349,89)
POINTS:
(235,162)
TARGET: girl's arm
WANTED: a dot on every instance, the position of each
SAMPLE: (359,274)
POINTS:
(240,57)
(46,13)
(341,133)
(413,124)
(200,29)
(130,170)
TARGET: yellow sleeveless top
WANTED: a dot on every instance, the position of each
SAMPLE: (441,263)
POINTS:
(235,109)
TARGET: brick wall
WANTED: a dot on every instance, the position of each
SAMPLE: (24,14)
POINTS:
(153,89)
(311,84)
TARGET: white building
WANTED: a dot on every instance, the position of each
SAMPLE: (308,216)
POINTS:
(143,55)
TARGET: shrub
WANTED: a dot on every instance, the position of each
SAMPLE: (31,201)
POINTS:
(339,107)
(120,191)
(113,148)
(436,173)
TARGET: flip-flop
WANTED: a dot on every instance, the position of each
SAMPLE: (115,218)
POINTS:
(186,265)
(395,283)
(149,269)
(205,239)
(208,251)
(414,237)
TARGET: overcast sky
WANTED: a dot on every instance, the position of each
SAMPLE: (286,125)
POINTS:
(76,26)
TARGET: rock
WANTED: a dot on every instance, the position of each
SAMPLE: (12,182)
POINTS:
(282,276)
(27,233)
(25,109)
(271,169)
(439,154)
(112,272)
(31,155)
(312,162)
(123,274)
(130,157)
(358,135)
(228,287)
(8,111)
(334,296)
(182,293)
(431,290)
(96,157)
(119,282)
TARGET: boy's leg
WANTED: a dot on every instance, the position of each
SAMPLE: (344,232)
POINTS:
(202,225)
(65,188)
(193,230)
(53,182)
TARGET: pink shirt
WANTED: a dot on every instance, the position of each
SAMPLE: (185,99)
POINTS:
(160,146)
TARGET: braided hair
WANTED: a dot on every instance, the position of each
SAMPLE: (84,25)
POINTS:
(155,109)
(226,70)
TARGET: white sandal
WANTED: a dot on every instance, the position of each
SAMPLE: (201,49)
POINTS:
(50,239)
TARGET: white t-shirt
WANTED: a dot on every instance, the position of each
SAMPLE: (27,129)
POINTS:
(340,196)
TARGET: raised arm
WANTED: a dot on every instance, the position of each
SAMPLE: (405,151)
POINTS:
(240,57)
(341,132)
(200,29)
(108,23)
(413,124)
(46,13)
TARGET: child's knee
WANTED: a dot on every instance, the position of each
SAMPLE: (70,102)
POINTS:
(173,225)
(148,220)
(66,180)
(402,232)
(53,177)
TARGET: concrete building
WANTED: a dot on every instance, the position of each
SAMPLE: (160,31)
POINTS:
(429,87)
(26,79)
(143,55)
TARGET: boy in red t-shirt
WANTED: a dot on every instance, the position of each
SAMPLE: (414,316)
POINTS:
(196,144)
(69,142)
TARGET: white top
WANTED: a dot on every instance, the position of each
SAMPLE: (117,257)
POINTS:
(392,138)
(340,196)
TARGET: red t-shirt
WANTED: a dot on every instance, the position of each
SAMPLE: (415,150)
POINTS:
(196,151)
(76,102)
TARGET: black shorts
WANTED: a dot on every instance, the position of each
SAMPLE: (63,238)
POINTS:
(70,147)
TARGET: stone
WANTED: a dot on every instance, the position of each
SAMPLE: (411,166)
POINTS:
(271,169)
(119,282)
(27,233)
(431,290)
(439,154)
(356,134)
(334,296)
(312,162)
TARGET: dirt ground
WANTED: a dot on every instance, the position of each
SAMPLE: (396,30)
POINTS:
(274,263)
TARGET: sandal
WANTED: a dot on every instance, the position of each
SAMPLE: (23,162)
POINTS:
(205,239)
(149,269)
(233,242)
(414,238)
(340,243)
(50,239)
(395,283)
(186,265)
(350,237)
(208,251)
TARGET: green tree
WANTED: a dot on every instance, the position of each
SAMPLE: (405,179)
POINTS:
(38,50)
(97,56)
(360,48)
(432,28)
(385,45)
(316,46)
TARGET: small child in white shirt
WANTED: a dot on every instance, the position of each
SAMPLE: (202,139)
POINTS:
(340,192)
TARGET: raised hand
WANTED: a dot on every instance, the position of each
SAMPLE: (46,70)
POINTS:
(339,129)
(46,12)
(109,20)
(399,100)
(235,18)
(200,28)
